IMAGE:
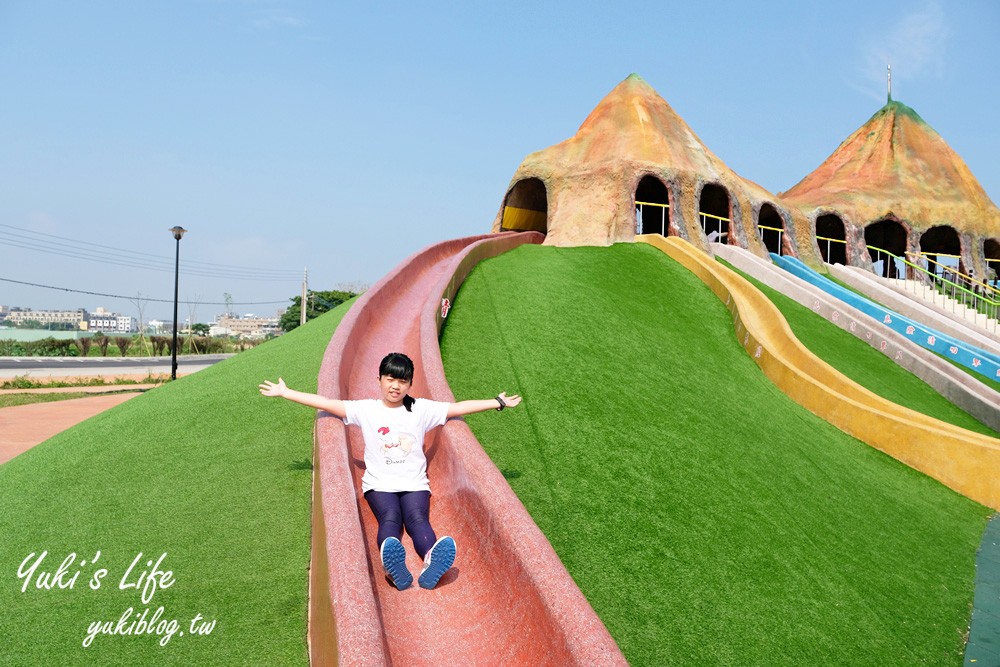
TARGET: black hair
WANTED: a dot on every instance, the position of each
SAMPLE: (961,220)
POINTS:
(399,366)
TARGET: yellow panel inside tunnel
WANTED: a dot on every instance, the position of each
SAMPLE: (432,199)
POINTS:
(523,219)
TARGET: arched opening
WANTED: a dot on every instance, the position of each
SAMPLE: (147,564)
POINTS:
(652,206)
(941,250)
(526,207)
(885,239)
(770,227)
(713,213)
(991,253)
(831,237)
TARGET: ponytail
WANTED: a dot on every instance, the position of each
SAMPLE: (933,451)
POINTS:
(408,402)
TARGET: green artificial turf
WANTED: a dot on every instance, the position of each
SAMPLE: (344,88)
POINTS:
(864,364)
(831,278)
(992,384)
(708,518)
(205,470)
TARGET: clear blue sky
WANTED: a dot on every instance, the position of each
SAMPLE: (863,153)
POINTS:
(343,137)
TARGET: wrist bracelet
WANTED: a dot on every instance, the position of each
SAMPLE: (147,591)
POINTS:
(502,404)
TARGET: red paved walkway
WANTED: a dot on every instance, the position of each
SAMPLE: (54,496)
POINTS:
(24,426)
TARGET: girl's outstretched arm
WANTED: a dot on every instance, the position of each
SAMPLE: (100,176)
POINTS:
(332,405)
(469,407)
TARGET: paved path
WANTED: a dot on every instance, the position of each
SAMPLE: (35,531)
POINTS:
(24,426)
(40,368)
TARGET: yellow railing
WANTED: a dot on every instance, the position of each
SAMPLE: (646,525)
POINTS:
(717,231)
(640,220)
(828,242)
(945,269)
(780,231)
(923,253)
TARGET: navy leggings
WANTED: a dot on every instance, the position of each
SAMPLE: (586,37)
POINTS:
(403,508)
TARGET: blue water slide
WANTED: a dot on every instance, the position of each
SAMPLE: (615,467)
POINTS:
(977,360)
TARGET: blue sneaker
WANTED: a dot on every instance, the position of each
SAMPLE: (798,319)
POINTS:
(438,561)
(394,561)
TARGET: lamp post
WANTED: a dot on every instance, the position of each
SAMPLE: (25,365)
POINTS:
(178,232)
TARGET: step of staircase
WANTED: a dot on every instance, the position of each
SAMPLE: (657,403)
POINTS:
(956,308)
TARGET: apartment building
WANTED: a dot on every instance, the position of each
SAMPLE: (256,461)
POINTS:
(18,316)
(106,322)
(245,327)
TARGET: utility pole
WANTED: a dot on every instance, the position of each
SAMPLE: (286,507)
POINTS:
(302,303)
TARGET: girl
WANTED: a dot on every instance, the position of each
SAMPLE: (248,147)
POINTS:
(395,482)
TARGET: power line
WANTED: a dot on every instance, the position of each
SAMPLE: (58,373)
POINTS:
(121,257)
(59,240)
(139,298)
(139,263)
(113,262)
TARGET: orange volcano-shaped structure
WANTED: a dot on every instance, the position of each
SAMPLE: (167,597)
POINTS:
(634,123)
(894,185)
(635,165)
(896,165)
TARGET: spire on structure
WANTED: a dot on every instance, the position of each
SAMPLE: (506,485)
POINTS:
(888,69)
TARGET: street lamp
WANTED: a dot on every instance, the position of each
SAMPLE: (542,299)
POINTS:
(178,232)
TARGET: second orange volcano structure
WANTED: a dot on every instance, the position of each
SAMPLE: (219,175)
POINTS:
(634,166)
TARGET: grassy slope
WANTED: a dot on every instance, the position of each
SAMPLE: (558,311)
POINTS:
(707,518)
(992,384)
(204,469)
(866,365)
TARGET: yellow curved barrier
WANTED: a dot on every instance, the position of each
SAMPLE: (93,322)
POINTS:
(962,460)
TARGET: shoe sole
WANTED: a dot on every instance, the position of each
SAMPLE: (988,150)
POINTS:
(394,562)
(441,559)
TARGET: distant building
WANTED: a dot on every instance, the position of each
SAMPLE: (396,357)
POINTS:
(107,322)
(75,318)
(248,326)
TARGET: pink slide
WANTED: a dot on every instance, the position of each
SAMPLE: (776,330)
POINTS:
(508,600)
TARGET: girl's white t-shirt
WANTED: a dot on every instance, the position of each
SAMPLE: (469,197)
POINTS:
(394,442)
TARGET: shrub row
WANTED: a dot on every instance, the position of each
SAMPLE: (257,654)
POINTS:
(46,347)
(51,347)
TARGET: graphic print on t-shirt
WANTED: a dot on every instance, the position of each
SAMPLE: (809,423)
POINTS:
(395,446)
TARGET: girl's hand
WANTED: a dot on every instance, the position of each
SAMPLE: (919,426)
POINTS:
(269,388)
(510,401)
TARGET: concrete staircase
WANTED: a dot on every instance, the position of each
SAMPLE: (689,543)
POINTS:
(943,303)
